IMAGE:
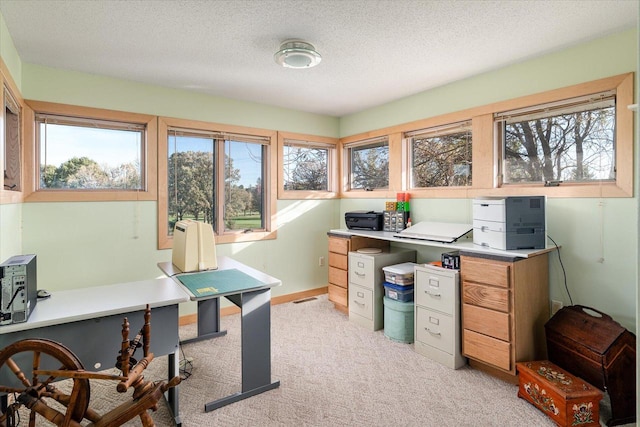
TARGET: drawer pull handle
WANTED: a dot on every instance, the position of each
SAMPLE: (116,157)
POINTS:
(433,294)
(360,274)
(432,332)
(361,304)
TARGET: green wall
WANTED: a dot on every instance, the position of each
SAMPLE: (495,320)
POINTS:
(597,59)
(89,90)
(86,244)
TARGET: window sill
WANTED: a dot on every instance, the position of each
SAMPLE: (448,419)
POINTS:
(89,196)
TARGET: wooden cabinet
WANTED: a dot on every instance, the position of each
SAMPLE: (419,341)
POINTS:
(339,247)
(505,304)
(437,315)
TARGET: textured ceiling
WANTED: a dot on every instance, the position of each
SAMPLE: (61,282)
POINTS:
(374,51)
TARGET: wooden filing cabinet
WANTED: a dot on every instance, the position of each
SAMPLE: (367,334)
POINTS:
(339,247)
(505,304)
(366,288)
(437,315)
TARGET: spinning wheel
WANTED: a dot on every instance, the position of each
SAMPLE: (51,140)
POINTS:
(32,366)
(25,358)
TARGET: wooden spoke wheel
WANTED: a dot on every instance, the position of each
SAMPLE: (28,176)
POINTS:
(19,363)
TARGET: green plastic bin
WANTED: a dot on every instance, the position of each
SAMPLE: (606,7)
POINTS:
(398,320)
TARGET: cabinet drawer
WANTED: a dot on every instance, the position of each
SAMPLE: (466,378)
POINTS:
(436,291)
(481,270)
(361,271)
(485,296)
(337,294)
(435,329)
(486,349)
(338,260)
(338,277)
(487,322)
(339,245)
(361,301)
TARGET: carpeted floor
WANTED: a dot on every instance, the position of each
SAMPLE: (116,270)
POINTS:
(333,373)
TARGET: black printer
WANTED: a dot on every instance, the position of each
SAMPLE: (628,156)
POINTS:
(363,220)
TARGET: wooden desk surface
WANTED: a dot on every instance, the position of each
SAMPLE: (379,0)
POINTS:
(224,263)
(98,301)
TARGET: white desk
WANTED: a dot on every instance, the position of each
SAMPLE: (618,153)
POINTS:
(88,321)
(255,306)
(463,244)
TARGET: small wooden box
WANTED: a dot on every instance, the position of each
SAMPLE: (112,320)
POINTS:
(566,399)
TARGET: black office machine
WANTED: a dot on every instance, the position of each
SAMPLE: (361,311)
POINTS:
(363,220)
(19,292)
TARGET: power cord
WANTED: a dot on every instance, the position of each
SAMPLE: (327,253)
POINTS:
(564,272)
(186,366)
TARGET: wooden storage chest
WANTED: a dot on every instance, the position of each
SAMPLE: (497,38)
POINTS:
(566,399)
(591,345)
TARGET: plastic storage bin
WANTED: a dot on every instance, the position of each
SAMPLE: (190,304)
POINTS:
(399,274)
(398,292)
(398,320)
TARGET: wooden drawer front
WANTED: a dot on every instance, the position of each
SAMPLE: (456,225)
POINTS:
(338,260)
(487,322)
(337,294)
(481,270)
(435,329)
(361,271)
(361,301)
(434,291)
(486,349)
(338,277)
(339,245)
(485,296)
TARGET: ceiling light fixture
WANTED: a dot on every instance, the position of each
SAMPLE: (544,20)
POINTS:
(297,54)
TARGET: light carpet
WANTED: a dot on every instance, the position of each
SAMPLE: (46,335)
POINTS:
(333,373)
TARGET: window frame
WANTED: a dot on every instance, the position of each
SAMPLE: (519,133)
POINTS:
(486,155)
(431,132)
(165,241)
(622,186)
(7,83)
(345,171)
(332,174)
(32,149)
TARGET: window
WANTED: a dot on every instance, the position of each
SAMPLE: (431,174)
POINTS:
(440,156)
(567,141)
(12,147)
(89,154)
(368,164)
(217,176)
(305,167)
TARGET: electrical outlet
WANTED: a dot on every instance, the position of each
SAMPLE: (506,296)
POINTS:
(555,306)
(321,261)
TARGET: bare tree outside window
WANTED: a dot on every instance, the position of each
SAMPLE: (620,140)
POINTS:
(305,168)
(370,166)
(441,160)
(574,146)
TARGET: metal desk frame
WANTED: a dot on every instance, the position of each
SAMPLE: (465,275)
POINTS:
(88,321)
(255,306)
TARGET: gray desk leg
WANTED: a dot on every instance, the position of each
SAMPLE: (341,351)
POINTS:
(256,347)
(173,394)
(208,321)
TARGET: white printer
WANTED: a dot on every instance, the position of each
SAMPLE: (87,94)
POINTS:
(509,223)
